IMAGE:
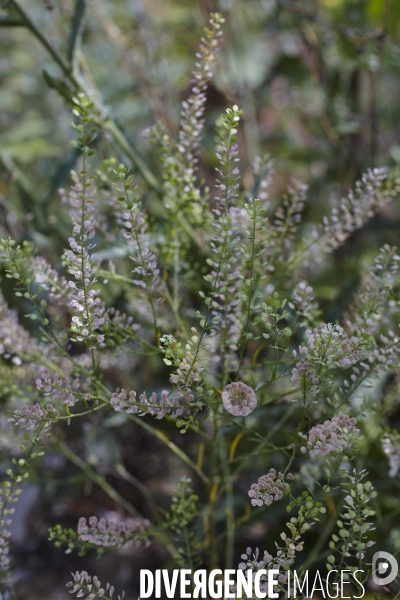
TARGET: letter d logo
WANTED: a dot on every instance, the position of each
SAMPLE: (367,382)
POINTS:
(384,568)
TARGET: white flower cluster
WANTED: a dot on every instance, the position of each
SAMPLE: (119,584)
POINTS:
(332,436)
(60,388)
(225,275)
(188,367)
(286,219)
(269,487)
(4,546)
(391,447)
(327,346)
(31,417)
(282,561)
(193,108)
(84,584)
(180,181)
(134,228)
(168,403)
(124,534)
(303,303)
(254,562)
(85,300)
(48,279)
(356,209)
(15,342)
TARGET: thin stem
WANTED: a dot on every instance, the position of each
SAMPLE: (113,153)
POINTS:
(222,257)
(230,507)
(250,289)
(84,183)
(177,266)
(213,494)
(175,310)
(124,474)
(17,478)
(97,478)
(173,447)
(111,492)
(187,544)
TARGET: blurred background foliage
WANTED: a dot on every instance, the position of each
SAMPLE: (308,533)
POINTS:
(318,81)
(319,85)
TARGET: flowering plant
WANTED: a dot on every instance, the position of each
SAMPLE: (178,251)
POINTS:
(208,316)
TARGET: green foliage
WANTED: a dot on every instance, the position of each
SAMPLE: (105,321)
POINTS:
(61,537)
(242,308)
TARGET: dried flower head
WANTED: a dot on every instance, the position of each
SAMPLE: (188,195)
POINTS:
(239,399)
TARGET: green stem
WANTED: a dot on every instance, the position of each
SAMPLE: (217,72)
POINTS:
(250,289)
(188,552)
(230,507)
(213,487)
(84,183)
(176,259)
(222,257)
(121,140)
(17,478)
(175,310)
(98,479)
(173,447)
